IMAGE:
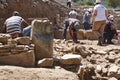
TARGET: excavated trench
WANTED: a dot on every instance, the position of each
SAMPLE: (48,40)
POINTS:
(32,9)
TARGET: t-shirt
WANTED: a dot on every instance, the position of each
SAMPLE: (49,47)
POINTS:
(86,17)
(100,12)
(68,0)
(13,24)
(73,14)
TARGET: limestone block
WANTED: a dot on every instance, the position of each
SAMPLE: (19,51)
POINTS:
(12,43)
(81,72)
(69,59)
(25,59)
(42,37)
(23,40)
(4,38)
(19,49)
(91,35)
(98,68)
(111,58)
(46,62)
(81,34)
(58,34)
(100,52)
(113,70)
(113,78)
(4,49)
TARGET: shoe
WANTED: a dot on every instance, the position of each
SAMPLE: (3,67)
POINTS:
(100,44)
(99,41)
(104,41)
(76,42)
(110,42)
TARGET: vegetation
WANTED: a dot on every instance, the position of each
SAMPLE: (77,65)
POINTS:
(86,3)
(114,3)
(108,3)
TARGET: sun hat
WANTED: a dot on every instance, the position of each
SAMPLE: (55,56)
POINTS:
(98,1)
(15,13)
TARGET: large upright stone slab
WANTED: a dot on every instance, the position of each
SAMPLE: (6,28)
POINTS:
(42,37)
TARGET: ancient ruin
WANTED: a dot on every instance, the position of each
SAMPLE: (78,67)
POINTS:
(45,55)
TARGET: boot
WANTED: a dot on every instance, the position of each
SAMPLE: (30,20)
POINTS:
(104,41)
(75,37)
(109,42)
(100,41)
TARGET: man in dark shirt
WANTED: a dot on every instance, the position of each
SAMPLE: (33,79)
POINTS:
(109,31)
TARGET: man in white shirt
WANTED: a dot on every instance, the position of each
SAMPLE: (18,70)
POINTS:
(99,18)
(73,14)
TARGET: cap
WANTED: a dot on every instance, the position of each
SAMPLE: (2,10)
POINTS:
(15,13)
(111,17)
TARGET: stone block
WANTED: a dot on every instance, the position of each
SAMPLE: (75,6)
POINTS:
(25,59)
(23,40)
(91,35)
(4,38)
(42,37)
(70,59)
(46,62)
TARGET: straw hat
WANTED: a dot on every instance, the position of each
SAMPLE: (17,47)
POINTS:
(98,1)
(16,13)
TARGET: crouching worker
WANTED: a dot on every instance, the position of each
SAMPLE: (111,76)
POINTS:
(74,25)
(14,25)
(109,30)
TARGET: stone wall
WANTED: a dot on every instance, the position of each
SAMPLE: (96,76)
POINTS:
(19,51)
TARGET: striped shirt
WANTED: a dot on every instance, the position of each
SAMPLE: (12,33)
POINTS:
(13,24)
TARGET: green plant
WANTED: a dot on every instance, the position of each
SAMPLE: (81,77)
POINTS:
(89,3)
(113,3)
(86,3)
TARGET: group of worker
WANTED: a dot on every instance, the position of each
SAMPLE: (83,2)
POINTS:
(96,19)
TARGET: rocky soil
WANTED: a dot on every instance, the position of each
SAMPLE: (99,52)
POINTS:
(96,62)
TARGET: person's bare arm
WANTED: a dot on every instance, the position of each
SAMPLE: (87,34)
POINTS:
(95,13)
(106,13)
(24,24)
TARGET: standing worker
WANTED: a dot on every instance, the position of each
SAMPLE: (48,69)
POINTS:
(69,3)
(99,18)
(73,14)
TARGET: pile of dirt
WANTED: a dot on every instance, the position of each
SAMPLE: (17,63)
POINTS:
(31,9)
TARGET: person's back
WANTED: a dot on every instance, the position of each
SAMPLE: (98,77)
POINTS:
(100,12)
(14,25)
(73,14)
